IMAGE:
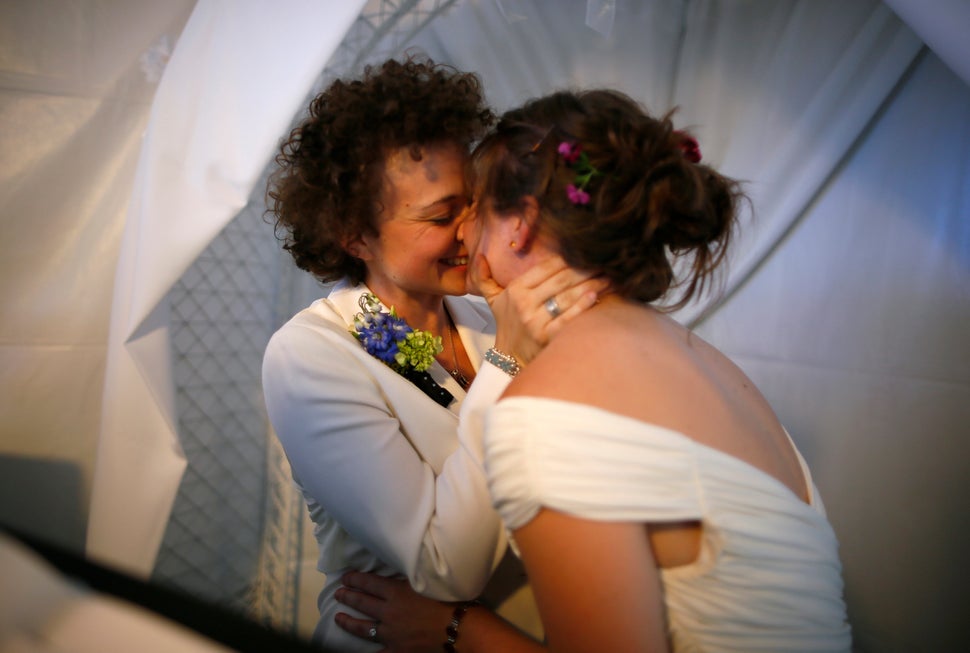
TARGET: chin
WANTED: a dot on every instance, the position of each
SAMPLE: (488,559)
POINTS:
(455,276)
(453,287)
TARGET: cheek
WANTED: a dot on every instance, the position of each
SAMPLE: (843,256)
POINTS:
(473,237)
(499,255)
(487,240)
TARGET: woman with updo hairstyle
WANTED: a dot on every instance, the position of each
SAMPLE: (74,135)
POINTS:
(654,202)
(364,387)
(656,501)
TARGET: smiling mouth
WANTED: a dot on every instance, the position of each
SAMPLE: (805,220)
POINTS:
(458,260)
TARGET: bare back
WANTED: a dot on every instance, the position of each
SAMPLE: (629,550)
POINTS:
(634,361)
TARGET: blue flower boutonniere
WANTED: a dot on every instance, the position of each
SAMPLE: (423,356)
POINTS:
(387,337)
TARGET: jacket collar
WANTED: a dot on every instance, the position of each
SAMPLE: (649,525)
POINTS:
(471,315)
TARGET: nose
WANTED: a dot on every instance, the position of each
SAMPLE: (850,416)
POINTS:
(464,218)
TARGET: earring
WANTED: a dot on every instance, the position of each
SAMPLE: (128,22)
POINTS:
(512,244)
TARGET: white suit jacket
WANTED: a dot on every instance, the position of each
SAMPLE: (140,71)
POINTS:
(373,456)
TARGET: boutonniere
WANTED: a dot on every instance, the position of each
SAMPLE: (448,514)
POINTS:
(409,352)
(387,337)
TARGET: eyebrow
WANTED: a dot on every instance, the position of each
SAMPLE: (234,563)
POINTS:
(444,201)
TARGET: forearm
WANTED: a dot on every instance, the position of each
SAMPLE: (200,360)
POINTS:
(482,631)
(465,526)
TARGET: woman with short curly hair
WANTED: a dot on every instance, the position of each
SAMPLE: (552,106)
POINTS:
(325,191)
(363,387)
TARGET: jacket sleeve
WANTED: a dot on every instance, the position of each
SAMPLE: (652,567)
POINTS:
(345,444)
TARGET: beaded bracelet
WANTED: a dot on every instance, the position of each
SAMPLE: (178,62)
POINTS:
(503,361)
(452,630)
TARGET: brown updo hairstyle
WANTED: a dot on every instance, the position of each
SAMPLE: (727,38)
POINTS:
(326,190)
(648,207)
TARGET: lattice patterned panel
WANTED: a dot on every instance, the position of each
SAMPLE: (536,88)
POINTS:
(383,29)
(223,311)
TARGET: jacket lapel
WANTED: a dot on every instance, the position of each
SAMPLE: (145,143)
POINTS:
(344,299)
(475,325)
(471,315)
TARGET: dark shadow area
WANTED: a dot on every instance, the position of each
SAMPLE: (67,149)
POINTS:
(42,498)
(215,623)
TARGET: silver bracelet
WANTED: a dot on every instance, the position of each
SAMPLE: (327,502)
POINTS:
(503,361)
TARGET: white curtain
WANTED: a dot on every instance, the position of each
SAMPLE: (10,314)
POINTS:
(76,86)
(857,330)
(847,297)
(942,24)
(239,73)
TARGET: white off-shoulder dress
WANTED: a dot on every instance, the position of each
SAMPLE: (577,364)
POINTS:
(768,577)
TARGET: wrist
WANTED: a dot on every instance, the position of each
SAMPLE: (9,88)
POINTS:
(505,362)
(451,632)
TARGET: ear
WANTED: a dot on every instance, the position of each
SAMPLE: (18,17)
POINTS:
(358,248)
(525,224)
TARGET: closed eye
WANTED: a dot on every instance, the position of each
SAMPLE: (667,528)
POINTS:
(456,207)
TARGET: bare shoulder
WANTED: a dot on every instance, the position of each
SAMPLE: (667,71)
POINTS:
(587,353)
(632,360)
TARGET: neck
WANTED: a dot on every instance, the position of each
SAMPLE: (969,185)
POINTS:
(425,312)
(455,362)
(425,318)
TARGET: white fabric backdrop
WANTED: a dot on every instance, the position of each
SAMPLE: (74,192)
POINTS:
(856,324)
(857,330)
(943,25)
(76,85)
(239,73)
(854,140)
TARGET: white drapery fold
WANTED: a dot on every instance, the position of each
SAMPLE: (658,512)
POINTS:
(239,73)
(784,106)
(76,85)
(942,24)
(805,105)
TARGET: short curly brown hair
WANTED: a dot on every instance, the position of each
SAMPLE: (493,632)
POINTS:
(324,193)
(649,206)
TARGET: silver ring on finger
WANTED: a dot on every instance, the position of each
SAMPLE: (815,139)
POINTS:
(552,307)
(372,633)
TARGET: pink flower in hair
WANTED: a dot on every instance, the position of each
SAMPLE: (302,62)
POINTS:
(689,146)
(569,152)
(574,157)
(577,195)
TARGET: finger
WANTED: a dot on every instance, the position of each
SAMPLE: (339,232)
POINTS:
(356,626)
(542,272)
(581,303)
(482,282)
(577,292)
(362,602)
(564,295)
(556,284)
(374,584)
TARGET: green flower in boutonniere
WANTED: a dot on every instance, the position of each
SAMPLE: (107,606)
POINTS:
(387,337)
